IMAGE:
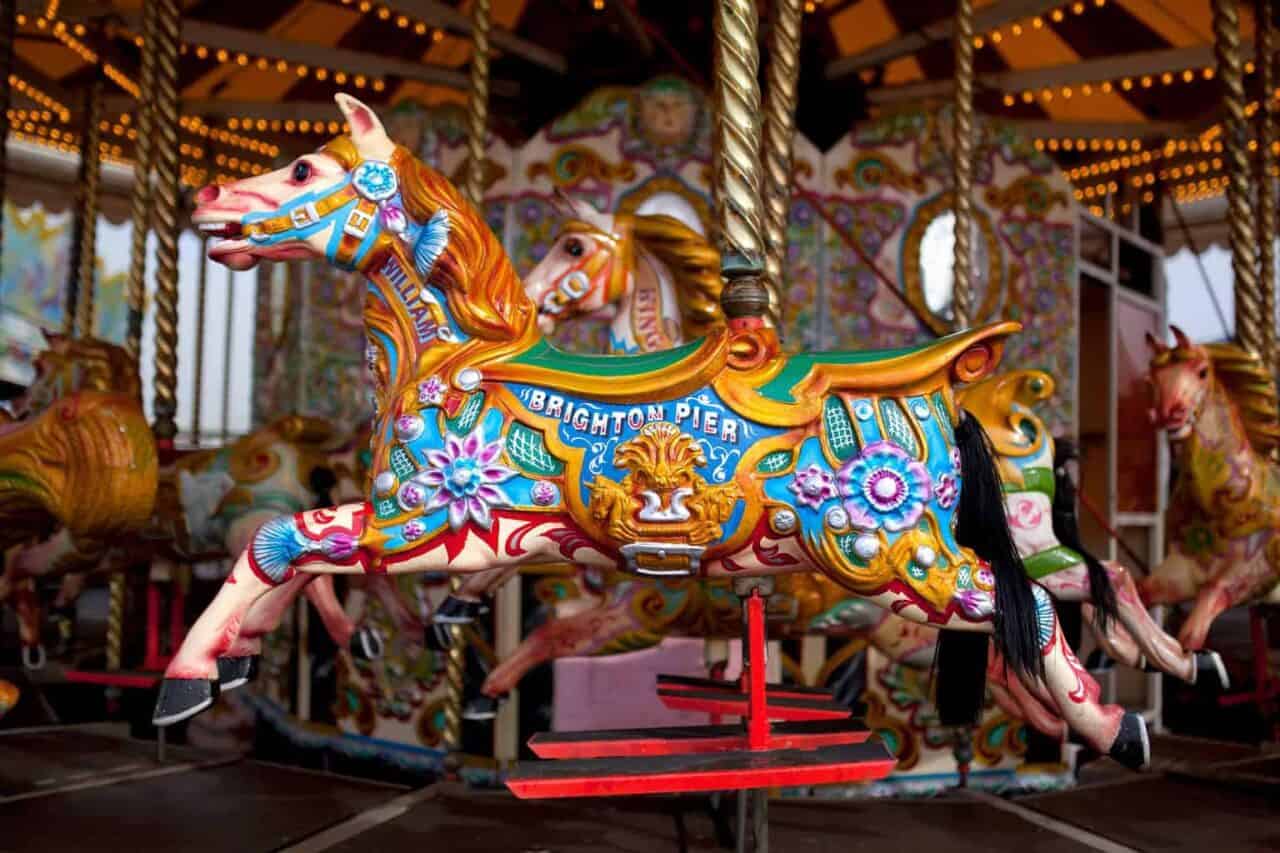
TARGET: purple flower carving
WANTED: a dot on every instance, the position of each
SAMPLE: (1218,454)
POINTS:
(884,486)
(813,486)
(431,391)
(466,474)
(946,490)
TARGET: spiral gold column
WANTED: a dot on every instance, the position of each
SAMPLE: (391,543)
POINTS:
(90,175)
(1248,292)
(8,22)
(140,197)
(737,167)
(473,189)
(779,138)
(166,198)
(962,151)
(1264,56)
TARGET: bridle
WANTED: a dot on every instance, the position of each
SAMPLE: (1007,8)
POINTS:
(605,269)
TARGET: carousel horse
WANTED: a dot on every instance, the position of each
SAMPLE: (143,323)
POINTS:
(1217,404)
(1040,505)
(78,470)
(207,504)
(722,458)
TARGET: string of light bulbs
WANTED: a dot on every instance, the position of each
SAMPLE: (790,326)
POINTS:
(996,35)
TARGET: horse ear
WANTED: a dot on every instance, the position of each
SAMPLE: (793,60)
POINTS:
(1154,345)
(367,132)
(50,336)
(1181,338)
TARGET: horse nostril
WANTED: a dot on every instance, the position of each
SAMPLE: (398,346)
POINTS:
(208,195)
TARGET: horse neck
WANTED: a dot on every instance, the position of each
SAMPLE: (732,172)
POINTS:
(648,318)
(1218,433)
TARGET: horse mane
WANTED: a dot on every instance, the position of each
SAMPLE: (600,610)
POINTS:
(102,366)
(695,265)
(1252,388)
(485,295)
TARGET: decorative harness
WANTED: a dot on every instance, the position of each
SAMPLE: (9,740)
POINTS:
(601,270)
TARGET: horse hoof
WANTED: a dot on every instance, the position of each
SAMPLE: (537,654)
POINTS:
(1132,747)
(459,611)
(437,637)
(482,709)
(1211,672)
(181,698)
(366,644)
(236,672)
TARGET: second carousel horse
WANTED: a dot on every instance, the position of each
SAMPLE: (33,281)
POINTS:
(1217,404)
(1040,504)
(723,458)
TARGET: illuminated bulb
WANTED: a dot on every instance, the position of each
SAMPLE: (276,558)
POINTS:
(996,37)
(322,73)
(360,80)
(1078,8)
(383,13)
(1086,90)
(1188,76)
(1057,15)
(242,59)
(420,28)
(1147,81)
(978,42)
(1126,84)
(301,70)
(402,22)
(1037,22)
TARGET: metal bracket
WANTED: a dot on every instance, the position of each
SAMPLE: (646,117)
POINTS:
(656,559)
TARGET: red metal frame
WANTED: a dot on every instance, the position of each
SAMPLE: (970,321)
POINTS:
(819,743)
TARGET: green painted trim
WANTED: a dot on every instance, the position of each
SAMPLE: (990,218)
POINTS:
(1048,562)
(544,355)
(1035,480)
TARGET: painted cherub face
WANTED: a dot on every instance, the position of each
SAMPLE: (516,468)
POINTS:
(667,117)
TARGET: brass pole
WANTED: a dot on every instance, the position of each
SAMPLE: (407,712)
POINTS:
(962,165)
(1266,47)
(197,393)
(167,195)
(737,172)
(87,215)
(1248,291)
(779,138)
(140,197)
(8,20)
(473,189)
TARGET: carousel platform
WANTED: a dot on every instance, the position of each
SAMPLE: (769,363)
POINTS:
(87,788)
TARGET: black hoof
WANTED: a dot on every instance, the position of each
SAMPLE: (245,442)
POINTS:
(366,644)
(482,709)
(438,637)
(181,698)
(236,672)
(459,611)
(1132,748)
(1211,673)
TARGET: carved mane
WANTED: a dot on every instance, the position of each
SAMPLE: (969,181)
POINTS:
(694,264)
(1251,386)
(485,296)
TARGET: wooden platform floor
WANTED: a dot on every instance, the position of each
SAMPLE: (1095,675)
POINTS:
(88,789)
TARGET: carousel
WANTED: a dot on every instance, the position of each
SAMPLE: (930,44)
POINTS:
(606,424)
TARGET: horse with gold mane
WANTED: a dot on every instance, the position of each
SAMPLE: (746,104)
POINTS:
(492,449)
(1217,404)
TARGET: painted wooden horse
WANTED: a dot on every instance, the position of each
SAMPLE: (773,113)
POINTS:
(721,458)
(1217,404)
(1040,505)
(78,470)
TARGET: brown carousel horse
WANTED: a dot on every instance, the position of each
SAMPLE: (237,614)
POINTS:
(1217,404)
(722,458)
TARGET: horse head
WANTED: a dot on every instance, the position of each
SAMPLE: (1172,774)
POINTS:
(591,267)
(68,365)
(1181,377)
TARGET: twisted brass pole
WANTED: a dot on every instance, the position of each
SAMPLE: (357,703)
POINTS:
(1248,293)
(477,102)
(197,392)
(779,138)
(737,166)
(1266,47)
(166,196)
(962,164)
(90,173)
(8,21)
(140,197)
(473,188)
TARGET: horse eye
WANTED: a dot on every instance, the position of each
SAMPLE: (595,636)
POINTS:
(1204,373)
(574,248)
(301,171)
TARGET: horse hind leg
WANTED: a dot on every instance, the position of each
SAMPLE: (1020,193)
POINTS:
(326,539)
(1236,583)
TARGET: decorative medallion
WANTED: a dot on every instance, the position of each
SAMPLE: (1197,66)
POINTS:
(375,180)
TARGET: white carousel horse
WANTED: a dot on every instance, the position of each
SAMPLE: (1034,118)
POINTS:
(722,458)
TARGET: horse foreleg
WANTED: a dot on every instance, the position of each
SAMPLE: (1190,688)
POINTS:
(584,633)
(26,606)
(1011,695)
(1236,583)
(70,588)
(319,540)
(464,605)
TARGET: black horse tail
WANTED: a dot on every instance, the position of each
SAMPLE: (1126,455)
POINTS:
(981,525)
(1067,529)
